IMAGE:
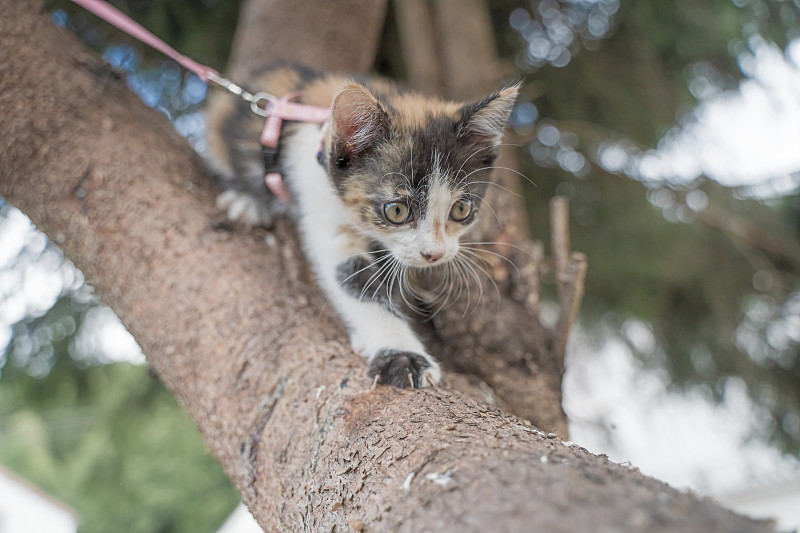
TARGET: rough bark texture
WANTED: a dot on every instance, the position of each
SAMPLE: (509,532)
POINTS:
(252,351)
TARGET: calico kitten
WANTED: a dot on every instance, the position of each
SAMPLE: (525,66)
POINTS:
(382,193)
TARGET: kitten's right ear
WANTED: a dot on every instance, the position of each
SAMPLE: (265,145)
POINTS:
(486,120)
(358,121)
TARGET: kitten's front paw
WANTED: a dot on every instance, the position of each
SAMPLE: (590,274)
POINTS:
(244,209)
(404,369)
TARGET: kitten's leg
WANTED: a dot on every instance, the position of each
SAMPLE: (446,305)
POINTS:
(244,208)
(245,198)
(405,369)
(379,332)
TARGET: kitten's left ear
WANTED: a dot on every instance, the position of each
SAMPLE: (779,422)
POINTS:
(485,121)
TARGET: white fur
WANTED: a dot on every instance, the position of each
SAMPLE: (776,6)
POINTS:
(243,208)
(321,216)
(408,244)
(431,236)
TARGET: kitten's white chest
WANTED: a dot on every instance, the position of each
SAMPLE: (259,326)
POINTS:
(328,235)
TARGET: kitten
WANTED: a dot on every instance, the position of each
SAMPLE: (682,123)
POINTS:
(381,193)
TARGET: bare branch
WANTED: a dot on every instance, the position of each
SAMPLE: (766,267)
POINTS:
(570,271)
(744,230)
(418,43)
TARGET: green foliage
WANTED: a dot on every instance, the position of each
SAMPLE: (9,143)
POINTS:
(115,445)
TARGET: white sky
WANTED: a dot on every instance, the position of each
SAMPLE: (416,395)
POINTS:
(744,138)
(618,407)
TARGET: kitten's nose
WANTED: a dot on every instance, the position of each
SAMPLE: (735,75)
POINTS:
(432,257)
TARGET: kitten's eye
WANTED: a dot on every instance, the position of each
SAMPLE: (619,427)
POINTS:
(396,212)
(461,210)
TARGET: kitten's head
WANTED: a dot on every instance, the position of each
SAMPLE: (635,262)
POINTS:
(412,171)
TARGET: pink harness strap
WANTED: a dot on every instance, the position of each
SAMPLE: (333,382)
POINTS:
(277,110)
(283,109)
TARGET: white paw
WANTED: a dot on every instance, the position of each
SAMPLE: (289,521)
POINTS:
(244,209)
(432,375)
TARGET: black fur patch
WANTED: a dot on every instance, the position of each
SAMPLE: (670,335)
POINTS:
(397,368)
(362,280)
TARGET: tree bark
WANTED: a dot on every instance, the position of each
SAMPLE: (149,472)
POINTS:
(252,350)
(339,36)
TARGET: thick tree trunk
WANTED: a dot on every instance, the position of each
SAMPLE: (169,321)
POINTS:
(252,351)
(339,36)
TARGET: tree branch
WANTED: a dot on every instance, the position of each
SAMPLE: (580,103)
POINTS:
(740,228)
(253,352)
(420,52)
(570,272)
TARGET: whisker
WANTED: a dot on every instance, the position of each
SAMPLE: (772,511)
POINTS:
(464,281)
(477,251)
(496,185)
(389,279)
(460,275)
(499,243)
(396,267)
(473,265)
(471,259)
(517,172)
(393,174)
(487,204)
(482,149)
(415,295)
(467,275)
(372,279)
(412,162)
(403,278)
(442,293)
(373,263)
(476,152)
(373,252)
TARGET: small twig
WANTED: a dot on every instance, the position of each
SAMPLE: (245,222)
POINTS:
(570,272)
(559,235)
(745,230)
(534,270)
(570,296)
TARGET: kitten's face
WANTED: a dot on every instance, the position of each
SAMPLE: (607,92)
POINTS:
(412,172)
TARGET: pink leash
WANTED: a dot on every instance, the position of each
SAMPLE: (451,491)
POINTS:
(114,16)
(276,110)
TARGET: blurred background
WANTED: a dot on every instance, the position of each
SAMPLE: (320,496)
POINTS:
(673,126)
